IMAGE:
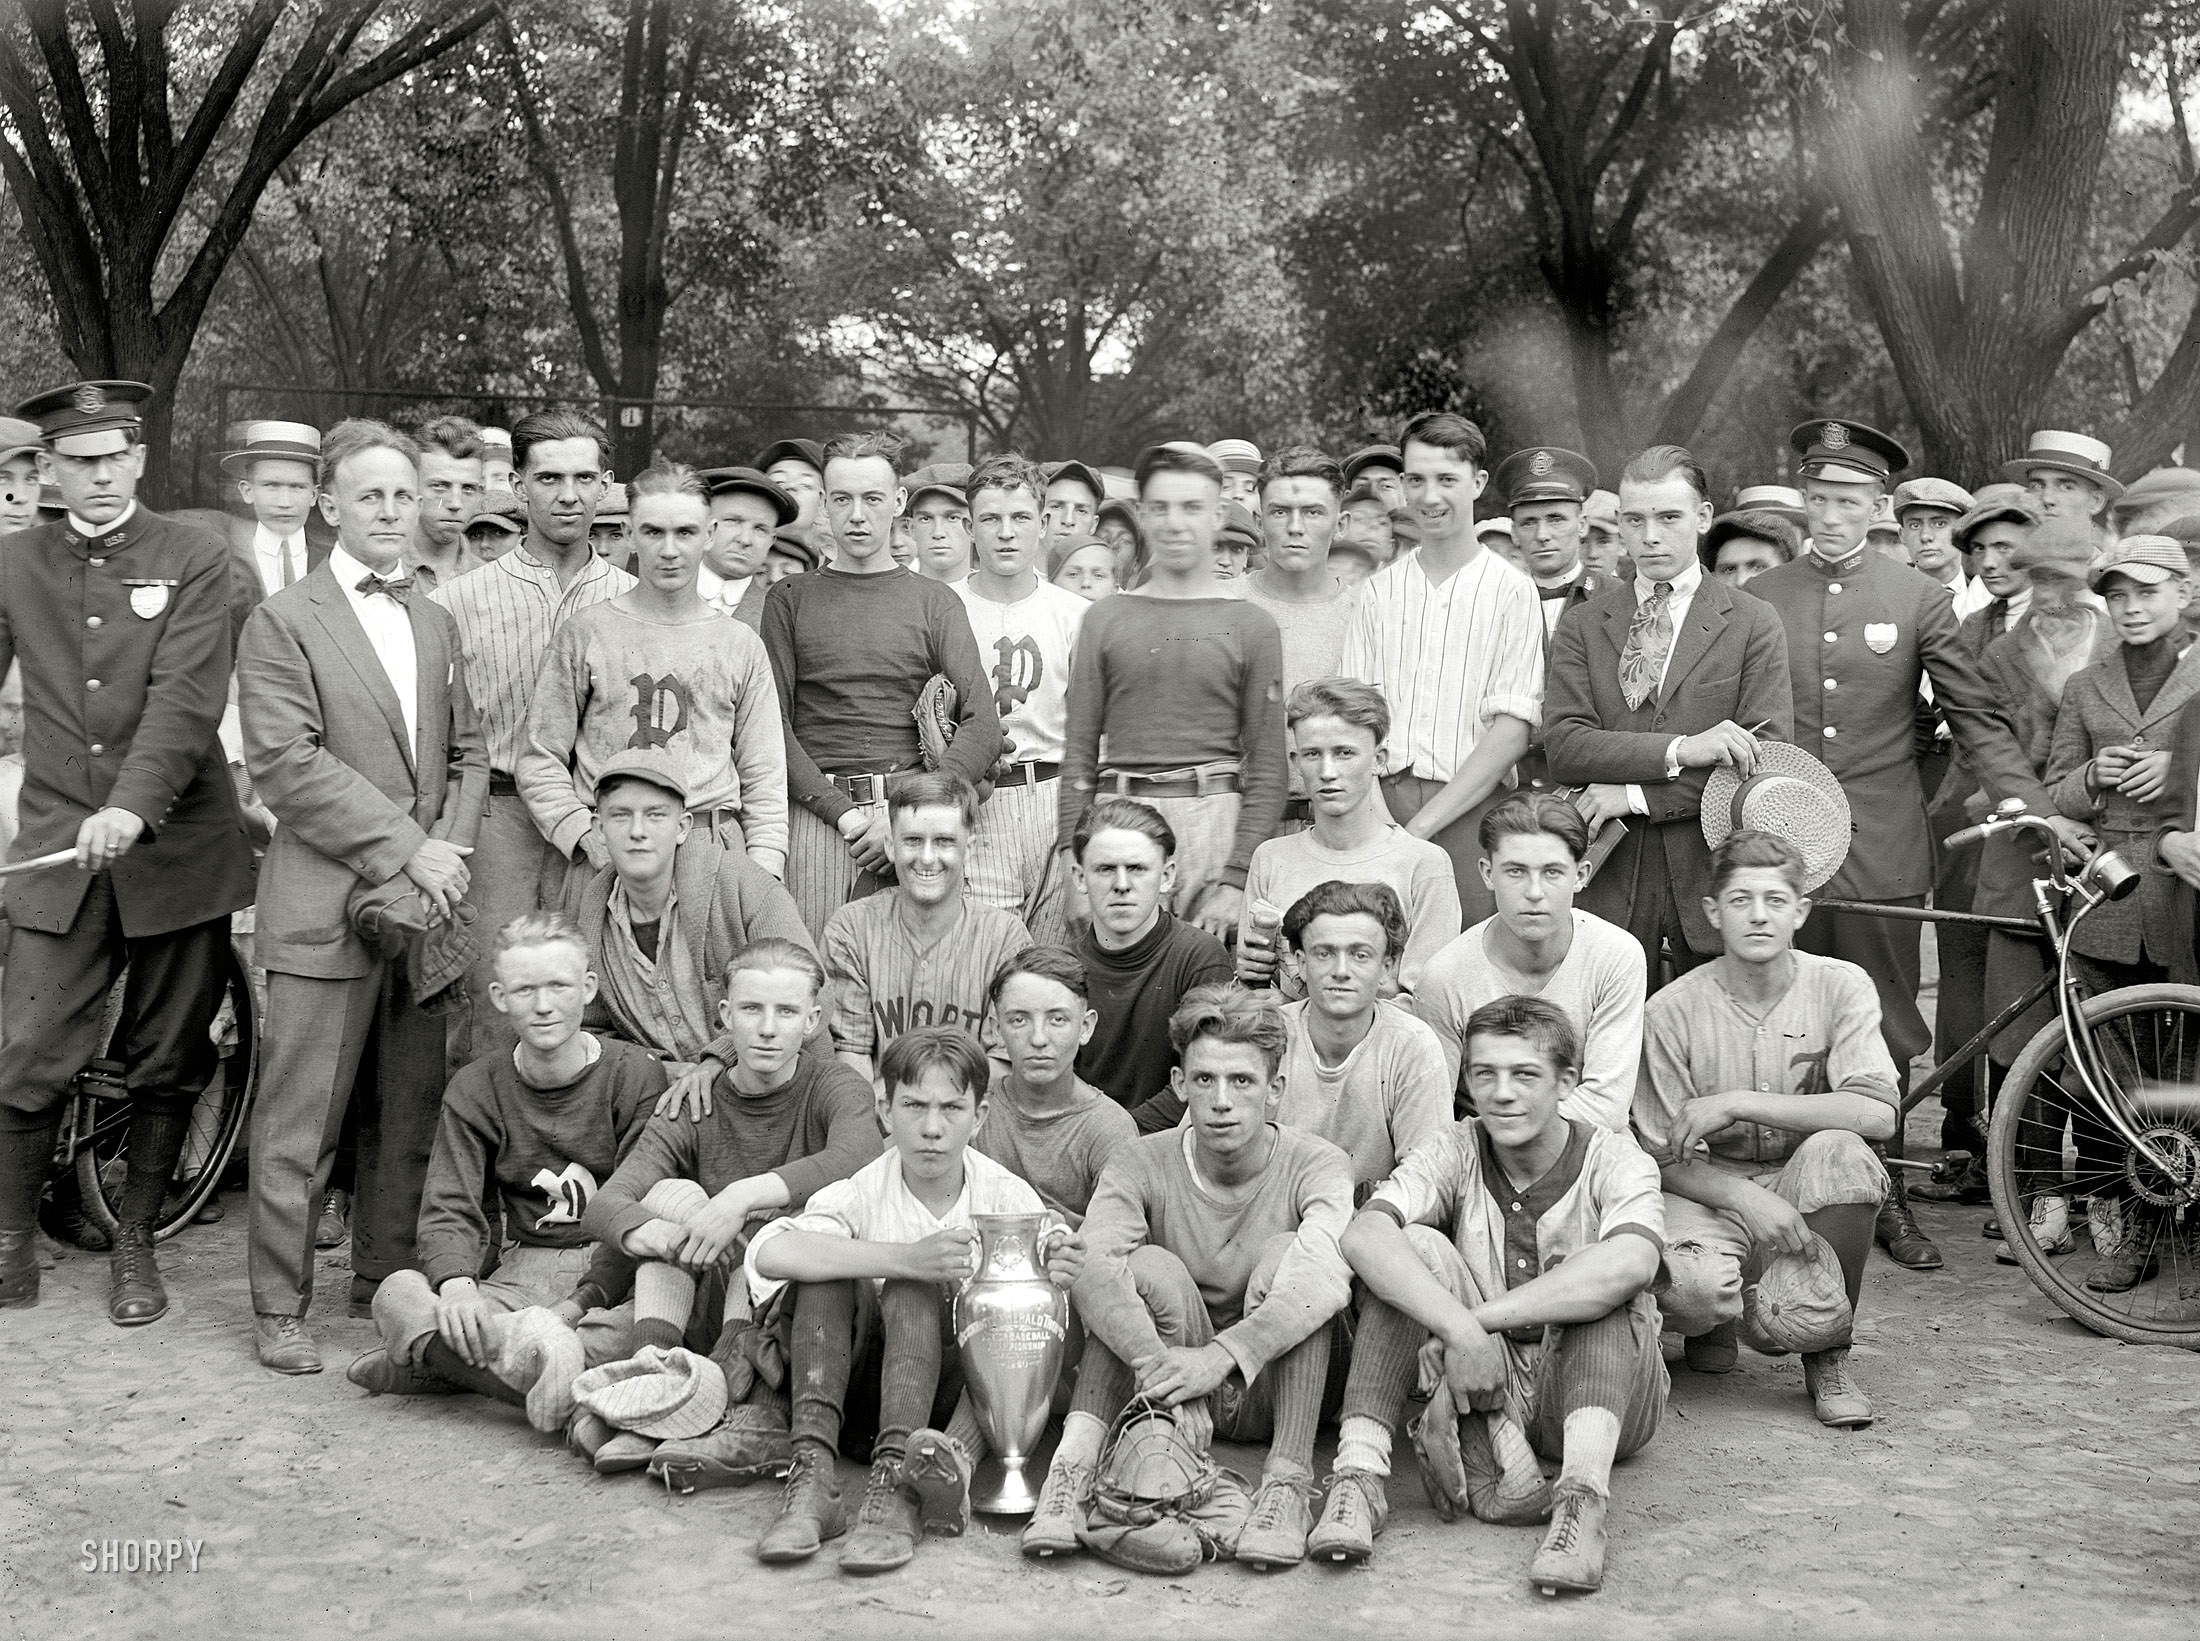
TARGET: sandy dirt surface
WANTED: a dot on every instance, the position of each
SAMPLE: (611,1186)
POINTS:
(2024,1477)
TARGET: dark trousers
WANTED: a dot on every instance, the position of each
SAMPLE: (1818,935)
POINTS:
(1886,949)
(53,1000)
(1634,888)
(328,1042)
(1407,795)
(2130,1059)
(889,1364)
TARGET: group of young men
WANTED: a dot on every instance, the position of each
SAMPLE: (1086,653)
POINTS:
(674,940)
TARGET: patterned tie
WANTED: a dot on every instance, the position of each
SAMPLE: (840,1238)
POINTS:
(1649,642)
(395,587)
(290,567)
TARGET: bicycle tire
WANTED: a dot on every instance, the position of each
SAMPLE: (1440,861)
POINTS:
(100,1156)
(2164,1310)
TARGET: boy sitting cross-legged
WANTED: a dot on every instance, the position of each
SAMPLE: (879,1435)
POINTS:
(862,1282)
(1214,1277)
(784,1125)
(1765,1076)
(1507,1261)
(539,1125)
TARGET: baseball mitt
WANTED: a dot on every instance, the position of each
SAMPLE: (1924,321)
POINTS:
(937,704)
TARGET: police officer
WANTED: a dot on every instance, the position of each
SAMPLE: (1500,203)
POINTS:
(121,620)
(1862,630)
(1545,488)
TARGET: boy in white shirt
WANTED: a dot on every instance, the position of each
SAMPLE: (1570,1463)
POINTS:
(868,1272)
(1026,630)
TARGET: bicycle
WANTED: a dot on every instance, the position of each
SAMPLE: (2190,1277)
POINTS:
(2120,1071)
(92,1149)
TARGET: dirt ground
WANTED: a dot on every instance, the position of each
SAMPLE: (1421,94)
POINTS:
(2024,1476)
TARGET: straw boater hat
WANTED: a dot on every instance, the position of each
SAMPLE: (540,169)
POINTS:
(1791,795)
(274,441)
(2072,453)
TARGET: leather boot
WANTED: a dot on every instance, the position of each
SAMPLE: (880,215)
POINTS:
(134,1293)
(18,1268)
(1897,1230)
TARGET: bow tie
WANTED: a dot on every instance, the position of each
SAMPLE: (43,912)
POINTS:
(396,587)
(1565,590)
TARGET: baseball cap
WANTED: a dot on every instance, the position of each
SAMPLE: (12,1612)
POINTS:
(640,763)
(1800,1304)
(2149,560)
(949,479)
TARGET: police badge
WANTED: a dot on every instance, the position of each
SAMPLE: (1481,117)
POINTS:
(148,599)
(89,400)
(1879,636)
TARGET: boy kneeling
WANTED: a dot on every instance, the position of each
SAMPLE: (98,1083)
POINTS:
(1508,1262)
(1766,1078)
(541,1125)
(862,1284)
(1214,1277)
(783,1125)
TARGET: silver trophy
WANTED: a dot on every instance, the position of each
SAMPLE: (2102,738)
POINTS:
(1012,1327)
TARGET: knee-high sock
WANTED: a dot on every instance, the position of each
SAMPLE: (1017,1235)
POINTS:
(964,1428)
(158,1128)
(26,1158)
(1299,1375)
(1847,1228)
(1592,1442)
(664,1295)
(821,1355)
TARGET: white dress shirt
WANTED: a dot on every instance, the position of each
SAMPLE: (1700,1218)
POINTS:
(721,593)
(1684,588)
(94,531)
(389,629)
(267,556)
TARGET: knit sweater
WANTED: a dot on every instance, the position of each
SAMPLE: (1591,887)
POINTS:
(1059,1154)
(1134,991)
(818,1128)
(1168,683)
(851,654)
(1149,1194)
(699,693)
(497,1129)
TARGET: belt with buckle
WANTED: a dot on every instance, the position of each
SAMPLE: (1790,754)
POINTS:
(1025,774)
(1204,780)
(870,785)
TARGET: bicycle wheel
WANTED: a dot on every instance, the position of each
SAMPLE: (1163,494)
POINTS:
(217,1121)
(2144,1036)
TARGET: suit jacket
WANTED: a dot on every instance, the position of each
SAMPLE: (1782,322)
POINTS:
(2098,709)
(2180,806)
(324,738)
(319,539)
(125,643)
(1729,661)
(2013,668)
(1861,634)
(1534,768)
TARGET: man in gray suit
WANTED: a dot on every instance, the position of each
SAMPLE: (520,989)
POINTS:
(1653,683)
(360,737)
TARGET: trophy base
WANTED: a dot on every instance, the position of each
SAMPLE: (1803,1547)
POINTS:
(1007,1487)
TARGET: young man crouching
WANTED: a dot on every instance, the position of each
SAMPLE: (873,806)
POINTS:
(1522,1243)
(1766,1077)
(862,1284)
(1214,1278)
(541,1124)
(783,1125)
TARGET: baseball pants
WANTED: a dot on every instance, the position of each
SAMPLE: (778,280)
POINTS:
(525,1278)
(1012,862)
(821,876)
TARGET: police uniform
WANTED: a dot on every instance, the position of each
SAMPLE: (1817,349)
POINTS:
(1548,473)
(1862,631)
(124,638)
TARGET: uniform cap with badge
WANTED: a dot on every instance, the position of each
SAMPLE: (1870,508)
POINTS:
(1545,473)
(88,419)
(1845,452)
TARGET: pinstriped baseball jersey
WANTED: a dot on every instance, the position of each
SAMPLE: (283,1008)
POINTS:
(1449,656)
(885,984)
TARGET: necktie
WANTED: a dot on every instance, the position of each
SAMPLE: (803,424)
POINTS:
(396,587)
(1997,618)
(1649,642)
(290,565)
